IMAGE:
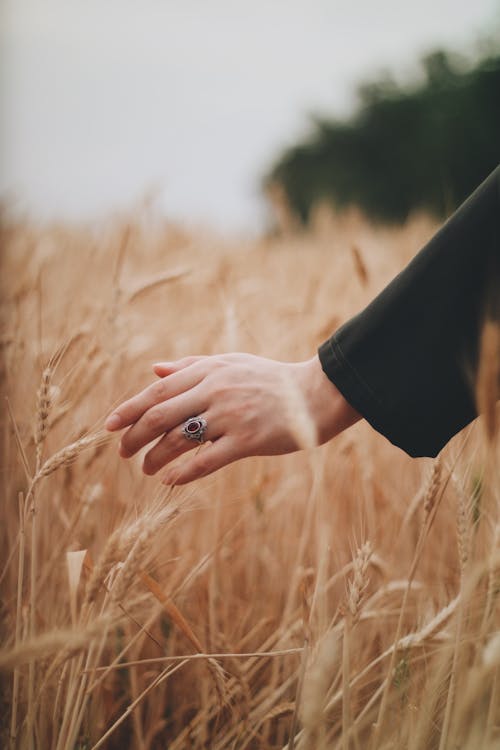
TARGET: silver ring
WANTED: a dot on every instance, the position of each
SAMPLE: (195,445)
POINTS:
(193,428)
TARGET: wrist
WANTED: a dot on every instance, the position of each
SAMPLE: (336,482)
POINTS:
(328,408)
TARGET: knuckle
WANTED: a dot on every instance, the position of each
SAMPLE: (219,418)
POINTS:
(221,361)
(159,389)
(154,420)
(210,364)
(219,387)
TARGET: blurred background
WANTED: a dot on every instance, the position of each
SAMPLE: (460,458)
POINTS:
(225,111)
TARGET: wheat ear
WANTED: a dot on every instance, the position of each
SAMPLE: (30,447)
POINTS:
(43,404)
(69,453)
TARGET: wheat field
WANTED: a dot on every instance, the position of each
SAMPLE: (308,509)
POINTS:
(340,597)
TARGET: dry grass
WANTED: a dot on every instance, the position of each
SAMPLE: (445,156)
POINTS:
(341,597)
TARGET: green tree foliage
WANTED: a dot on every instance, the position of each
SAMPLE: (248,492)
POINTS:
(425,147)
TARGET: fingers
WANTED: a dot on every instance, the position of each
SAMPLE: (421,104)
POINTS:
(174,444)
(162,418)
(169,447)
(167,368)
(166,388)
(210,458)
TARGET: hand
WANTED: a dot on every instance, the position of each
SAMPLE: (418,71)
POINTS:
(253,407)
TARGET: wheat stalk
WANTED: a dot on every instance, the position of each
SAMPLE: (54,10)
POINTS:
(20,577)
(167,672)
(356,590)
(239,573)
(317,681)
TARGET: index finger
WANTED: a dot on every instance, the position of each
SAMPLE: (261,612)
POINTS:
(172,385)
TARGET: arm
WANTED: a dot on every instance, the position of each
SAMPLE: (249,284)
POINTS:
(406,363)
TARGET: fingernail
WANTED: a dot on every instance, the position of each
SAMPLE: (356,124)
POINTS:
(113,422)
(162,364)
(167,480)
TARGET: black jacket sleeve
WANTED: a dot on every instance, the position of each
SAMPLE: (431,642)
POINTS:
(407,362)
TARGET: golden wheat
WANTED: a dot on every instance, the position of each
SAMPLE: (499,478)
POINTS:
(216,615)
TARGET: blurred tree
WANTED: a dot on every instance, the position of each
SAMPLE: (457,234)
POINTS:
(425,147)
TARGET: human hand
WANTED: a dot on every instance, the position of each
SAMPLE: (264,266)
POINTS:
(253,407)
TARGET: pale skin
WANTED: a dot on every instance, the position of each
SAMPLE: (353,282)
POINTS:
(241,398)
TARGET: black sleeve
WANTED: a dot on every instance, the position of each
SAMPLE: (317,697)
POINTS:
(407,362)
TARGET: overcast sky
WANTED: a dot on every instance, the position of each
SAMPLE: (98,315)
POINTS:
(102,100)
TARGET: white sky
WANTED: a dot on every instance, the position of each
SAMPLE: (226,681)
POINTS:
(101,100)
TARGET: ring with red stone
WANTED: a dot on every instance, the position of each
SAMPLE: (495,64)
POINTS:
(193,428)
